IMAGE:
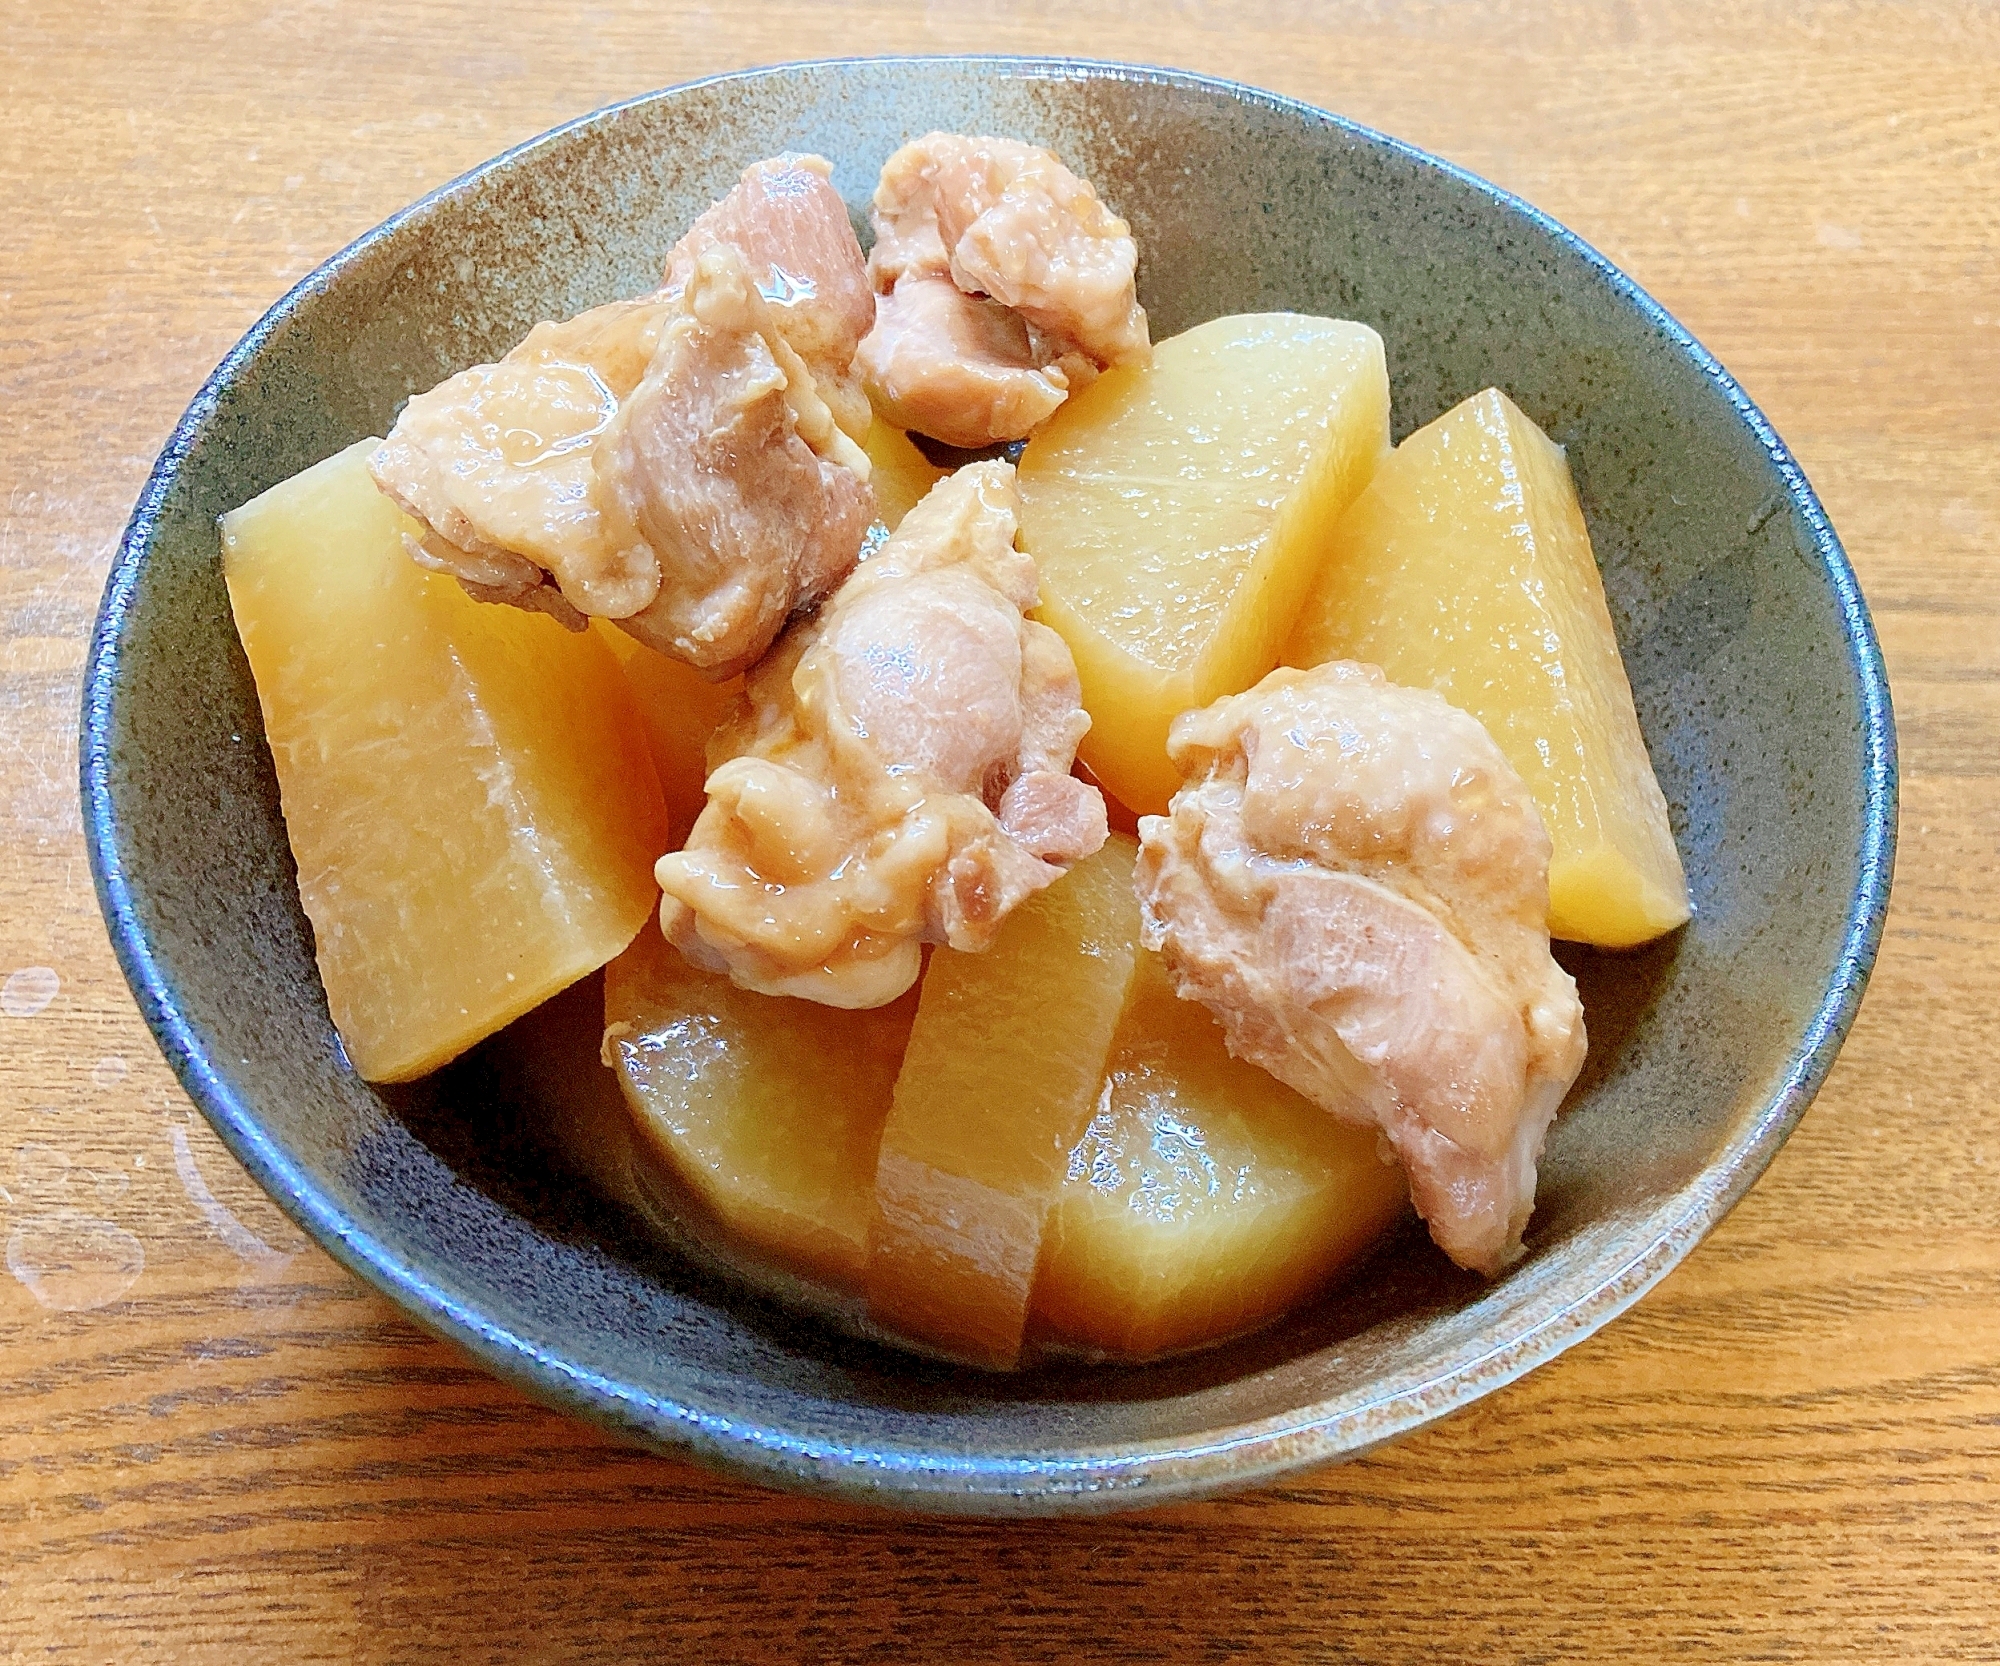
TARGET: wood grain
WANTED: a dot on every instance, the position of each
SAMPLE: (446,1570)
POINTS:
(1790,1452)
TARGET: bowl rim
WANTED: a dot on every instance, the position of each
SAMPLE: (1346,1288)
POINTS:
(1030,1482)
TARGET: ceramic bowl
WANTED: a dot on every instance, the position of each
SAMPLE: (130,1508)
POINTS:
(485,1200)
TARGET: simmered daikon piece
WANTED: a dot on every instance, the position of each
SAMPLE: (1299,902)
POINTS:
(680,709)
(1000,1080)
(1177,511)
(899,472)
(466,789)
(1466,567)
(1205,1197)
(767,1109)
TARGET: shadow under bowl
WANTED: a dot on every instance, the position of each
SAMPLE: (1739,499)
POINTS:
(1757,677)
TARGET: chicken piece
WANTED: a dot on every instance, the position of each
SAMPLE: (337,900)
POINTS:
(1008,220)
(957,367)
(1004,285)
(728,473)
(791,226)
(1355,882)
(502,464)
(897,773)
(496,461)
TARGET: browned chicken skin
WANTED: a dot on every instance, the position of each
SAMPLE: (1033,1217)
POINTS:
(1355,882)
(686,464)
(898,772)
(1003,284)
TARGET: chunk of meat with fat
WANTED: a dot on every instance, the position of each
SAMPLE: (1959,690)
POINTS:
(496,462)
(1004,284)
(1008,220)
(791,227)
(897,773)
(957,367)
(745,359)
(1355,882)
(729,473)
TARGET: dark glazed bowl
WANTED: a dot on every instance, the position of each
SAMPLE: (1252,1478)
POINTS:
(482,1199)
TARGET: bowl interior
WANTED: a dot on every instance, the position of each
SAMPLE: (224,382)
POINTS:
(1755,676)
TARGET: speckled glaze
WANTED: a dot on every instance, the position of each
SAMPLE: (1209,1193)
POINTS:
(481,1199)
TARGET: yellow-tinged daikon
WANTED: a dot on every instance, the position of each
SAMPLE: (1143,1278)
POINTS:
(1177,510)
(466,787)
(1466,567)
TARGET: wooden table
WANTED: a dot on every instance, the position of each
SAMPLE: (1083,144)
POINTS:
(216,1447)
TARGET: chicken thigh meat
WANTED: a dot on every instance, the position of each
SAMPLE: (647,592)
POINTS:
(787,221)
(496,462)
(1355,882)
(687,463)
(897,773)
(1003,284)
(728,473)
